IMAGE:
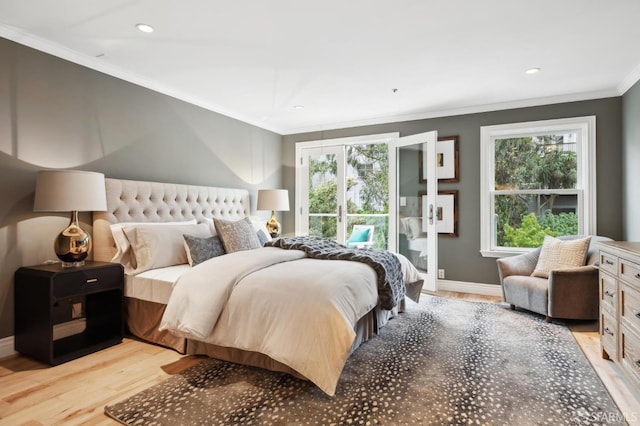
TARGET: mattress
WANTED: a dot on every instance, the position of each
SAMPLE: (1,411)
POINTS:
(154,285)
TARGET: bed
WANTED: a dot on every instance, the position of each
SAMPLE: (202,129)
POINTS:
(160,293)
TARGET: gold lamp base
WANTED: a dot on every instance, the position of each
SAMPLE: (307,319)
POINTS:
(273,226)
(73,244)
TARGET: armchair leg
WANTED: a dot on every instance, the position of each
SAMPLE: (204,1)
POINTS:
(512,306)
(548,318)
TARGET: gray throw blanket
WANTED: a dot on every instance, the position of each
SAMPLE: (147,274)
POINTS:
(387,266)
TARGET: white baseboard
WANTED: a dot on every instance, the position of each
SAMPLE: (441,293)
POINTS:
(471,288)
(6,347)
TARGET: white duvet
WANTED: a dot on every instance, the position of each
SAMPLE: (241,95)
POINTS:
(298,311)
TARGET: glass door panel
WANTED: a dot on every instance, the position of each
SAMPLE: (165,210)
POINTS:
(323,190)
(415,203)
(367,194)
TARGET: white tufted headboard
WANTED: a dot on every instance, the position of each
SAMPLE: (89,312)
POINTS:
(139,201)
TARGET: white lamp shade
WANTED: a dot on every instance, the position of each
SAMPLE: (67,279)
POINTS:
(69,190)
(273,199)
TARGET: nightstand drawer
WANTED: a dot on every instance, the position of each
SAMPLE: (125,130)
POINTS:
(630,272)
(609,263)
(608,293)
(87,281)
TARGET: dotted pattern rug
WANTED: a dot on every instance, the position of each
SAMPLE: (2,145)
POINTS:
(443,362)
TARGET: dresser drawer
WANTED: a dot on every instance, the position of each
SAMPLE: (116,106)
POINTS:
(609,335)
(630,272)
(630,356)
(630,307)
(609,263)
(608,293)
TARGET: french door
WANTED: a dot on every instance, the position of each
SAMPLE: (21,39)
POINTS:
(372,181)
(413,223)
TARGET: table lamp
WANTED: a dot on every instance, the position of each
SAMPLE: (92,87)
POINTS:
(70,191)
(274,200)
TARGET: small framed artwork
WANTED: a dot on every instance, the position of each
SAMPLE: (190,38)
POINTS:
(447,160)
(446,212)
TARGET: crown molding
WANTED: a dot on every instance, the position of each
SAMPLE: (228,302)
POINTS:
(627,83)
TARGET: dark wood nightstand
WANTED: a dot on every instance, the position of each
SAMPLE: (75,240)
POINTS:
(65,313)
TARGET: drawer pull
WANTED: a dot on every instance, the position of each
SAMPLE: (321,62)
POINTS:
(608,293)
(609,332)
(608,262)
(638,363)
(637,275)
(638,315)
(92,280)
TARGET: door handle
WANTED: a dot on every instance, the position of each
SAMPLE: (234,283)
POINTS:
(339,214)
(430,214)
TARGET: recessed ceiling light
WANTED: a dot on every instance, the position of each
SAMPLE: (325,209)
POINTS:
(298,107)
(144,28)
(532,71)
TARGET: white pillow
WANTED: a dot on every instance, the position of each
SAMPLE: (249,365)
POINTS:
(122,243)
(160,246)
(412,226)
(561,254)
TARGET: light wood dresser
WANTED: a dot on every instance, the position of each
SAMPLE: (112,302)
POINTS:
(620,306)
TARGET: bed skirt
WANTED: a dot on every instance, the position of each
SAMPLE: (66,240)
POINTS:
(143,318)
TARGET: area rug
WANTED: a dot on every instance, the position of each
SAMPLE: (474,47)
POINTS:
(443,362)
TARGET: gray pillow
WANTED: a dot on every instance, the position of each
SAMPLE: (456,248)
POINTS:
(263,237)
(237,235)
(201,249)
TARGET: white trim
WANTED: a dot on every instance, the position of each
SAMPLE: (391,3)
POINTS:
(629,81)
(586,179)
(470,287)
(7,345)
(501,106)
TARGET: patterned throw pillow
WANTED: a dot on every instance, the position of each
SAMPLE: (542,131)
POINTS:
(561,254)
(201,249)
(237,235)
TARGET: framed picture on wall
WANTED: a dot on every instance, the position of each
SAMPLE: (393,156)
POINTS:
(447,160)
(446,212)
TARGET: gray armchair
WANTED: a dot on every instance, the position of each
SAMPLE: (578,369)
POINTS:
(568,294)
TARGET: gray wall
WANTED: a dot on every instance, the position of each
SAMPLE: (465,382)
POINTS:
(56,114)
(460,256)
(631,163)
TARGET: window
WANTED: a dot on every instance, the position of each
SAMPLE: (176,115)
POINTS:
(537,179)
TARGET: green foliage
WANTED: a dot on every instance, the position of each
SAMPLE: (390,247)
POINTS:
(371,163)
(533,230)
(562,224)
(541,162)
(530,234)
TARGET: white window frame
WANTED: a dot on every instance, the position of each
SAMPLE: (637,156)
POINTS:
(585,127)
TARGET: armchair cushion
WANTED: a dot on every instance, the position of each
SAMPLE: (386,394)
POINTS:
(558,254)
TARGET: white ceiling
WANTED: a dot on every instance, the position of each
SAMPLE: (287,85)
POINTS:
(341,59)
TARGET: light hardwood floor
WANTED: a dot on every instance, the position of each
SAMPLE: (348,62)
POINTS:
(76,392)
